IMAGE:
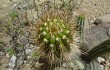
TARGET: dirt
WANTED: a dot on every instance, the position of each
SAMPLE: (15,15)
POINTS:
(92,9)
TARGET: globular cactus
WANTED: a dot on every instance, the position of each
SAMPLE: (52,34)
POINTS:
(54,37)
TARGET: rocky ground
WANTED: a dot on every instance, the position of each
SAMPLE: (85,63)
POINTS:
(92,9)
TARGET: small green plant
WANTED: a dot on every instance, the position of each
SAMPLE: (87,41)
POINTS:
(80,26)
(10,51)
(80,21)
(54,38)
(13,15)
(34,55)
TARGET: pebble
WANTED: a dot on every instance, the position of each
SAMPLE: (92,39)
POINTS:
(12,61)
(7,55)
(100,59)
(19,62)
(28,51)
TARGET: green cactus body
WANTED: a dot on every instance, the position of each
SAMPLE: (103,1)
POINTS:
(80,27)
(54,34)
(54,37)
(81,20)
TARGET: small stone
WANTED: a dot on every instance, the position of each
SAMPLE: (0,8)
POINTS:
(25,61)
(29,57)
(28,51)
(12,61)
(19,62)
(1,53)
(7,55)
(27,45)
(32,46)
(100,59)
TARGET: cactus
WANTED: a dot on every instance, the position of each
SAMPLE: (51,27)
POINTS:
(80,27)
(81,21)
(54,35)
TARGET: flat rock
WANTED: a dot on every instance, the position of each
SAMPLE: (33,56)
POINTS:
(98,33)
